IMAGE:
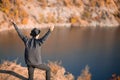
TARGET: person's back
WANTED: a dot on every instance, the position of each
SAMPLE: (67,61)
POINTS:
(33,50)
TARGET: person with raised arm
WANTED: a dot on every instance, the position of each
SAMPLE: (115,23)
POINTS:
(33,50)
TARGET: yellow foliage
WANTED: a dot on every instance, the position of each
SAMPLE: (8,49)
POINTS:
(41,18)
(93,3)
(50,18)
(6,3)
(5,6)
(108,1)
(68,3)
(86,14)
(23,13)
(29,0)
(74,19)
(13,10)
(24,16)
(78,3)
(13,13)
(18,2)
(24,20)
(16,14)
(5,10)
(44,3)
(102,3)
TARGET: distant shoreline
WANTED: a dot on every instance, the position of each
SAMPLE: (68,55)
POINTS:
(44,25)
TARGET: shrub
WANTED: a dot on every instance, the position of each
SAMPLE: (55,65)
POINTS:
(85,75)
(50,18)
(12,8)
(68,3)
(43,3)
(24,16)
(5,6)
(74,19)
(59,20)
(41,18)
(115,77)
(78,3)
(24,20)
(86,14)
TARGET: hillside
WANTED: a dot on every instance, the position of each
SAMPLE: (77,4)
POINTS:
(39,13)
(12,71)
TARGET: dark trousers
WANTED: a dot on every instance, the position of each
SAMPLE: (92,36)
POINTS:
(42,67)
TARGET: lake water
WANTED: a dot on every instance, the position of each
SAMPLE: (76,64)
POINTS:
(99,48)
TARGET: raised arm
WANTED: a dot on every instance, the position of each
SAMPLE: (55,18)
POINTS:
(19,32)
(47,34)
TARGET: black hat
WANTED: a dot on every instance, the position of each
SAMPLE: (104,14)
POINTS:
(34,32)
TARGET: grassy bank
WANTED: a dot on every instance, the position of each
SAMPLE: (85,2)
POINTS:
(12,71)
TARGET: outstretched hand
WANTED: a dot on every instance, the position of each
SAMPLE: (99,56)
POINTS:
(51,27)
(12,21)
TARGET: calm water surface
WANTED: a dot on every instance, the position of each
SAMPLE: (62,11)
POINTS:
(99,48)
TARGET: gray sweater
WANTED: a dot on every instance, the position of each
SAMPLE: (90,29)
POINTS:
(32,47)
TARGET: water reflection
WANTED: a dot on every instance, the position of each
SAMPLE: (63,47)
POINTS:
(98,48)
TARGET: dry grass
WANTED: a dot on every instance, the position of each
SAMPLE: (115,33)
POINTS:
(74,19)
(115,77)
(85,75)
(68,3)
(78,3)
(12,71)
(43,3)
(41,18)
(50,18)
